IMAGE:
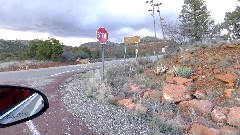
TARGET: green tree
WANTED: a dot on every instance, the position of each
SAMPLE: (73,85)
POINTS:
(232,23)
(195,20)
(32,50)
(50,49)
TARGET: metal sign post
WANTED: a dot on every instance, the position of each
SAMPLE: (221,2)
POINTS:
(102,61)
(125,52)
(136,53)
(102,36)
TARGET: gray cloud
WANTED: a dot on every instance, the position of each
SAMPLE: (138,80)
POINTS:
(65,18)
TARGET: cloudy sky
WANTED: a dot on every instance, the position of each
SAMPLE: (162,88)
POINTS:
(75,21)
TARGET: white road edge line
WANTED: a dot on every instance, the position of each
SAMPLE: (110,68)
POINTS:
(32,128)
(30,125)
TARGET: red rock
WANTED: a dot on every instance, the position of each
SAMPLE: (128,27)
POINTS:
(200,72)
(218,116)
(146,94)
(227,130)
(216,71)
(175,93)
(230,85)
(128,103)
(234,117)
(228,93)
(180,80)
(197,129)
(169,78)
(199,94)
(131,106)
(201,107)
(229,78)
(223,110)
(199,68)
(188,56)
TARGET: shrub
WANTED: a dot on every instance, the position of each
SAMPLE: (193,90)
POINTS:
(184,72)
(116,77)
(67,56)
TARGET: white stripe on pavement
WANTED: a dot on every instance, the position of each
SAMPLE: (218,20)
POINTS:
(32,127)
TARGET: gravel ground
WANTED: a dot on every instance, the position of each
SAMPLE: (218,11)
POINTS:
(102,118)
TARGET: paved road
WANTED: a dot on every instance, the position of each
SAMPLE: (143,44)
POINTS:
(56,120)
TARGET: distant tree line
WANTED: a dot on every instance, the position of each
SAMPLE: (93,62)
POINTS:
(53,50)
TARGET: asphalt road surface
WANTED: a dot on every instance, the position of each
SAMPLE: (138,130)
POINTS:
(56,120)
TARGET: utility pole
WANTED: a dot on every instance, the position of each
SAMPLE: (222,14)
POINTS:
(153,4)
(161,23)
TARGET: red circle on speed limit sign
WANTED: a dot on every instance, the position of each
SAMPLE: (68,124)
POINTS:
(102,35)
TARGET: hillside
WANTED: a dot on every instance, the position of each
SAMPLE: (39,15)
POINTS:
(194,89)
(12,49)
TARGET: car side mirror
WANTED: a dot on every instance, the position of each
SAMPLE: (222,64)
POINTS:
(20,104)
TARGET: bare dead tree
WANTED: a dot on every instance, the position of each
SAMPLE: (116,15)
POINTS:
(173,32)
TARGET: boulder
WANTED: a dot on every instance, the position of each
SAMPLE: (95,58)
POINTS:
(228,130)
(229,78)
(199,94)
(223,110)
(234,117)
(197,107)
(181,80)
(197,129)
(228,93)
(127,103)
(230,85)
(218,116)
(216,71)
(175,93)
(169,78)
(232,94)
